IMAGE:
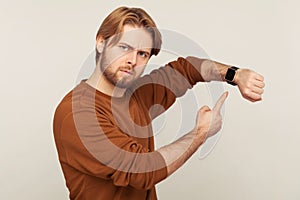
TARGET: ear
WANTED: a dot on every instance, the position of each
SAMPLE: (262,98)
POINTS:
(100,44)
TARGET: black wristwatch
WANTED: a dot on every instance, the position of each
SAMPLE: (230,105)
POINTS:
(230,75)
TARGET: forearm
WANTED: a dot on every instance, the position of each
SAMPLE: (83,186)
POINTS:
(178,152)
(210,70)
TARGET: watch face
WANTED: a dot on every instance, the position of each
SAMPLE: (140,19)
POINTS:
(230,74)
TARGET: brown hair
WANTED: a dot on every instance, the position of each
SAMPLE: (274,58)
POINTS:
(113,24)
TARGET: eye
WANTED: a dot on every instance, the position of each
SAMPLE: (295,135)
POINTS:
(143,54)
(124,47)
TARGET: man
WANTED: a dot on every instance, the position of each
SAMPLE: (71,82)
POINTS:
(102,127)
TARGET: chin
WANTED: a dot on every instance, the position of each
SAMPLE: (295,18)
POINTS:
(124,84)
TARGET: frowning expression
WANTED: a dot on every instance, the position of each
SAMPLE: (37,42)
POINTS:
(126,60)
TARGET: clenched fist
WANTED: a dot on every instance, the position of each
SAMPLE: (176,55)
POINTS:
(250,84)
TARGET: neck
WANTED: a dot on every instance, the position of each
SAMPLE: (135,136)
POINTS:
(98,81)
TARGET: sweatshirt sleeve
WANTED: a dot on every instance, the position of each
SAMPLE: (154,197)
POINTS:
(94,146)
(163,85)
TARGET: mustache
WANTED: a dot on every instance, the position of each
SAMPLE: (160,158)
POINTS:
(126,67)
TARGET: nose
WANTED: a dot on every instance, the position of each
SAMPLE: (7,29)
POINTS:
(131,58)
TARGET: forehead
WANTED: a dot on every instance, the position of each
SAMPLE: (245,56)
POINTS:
(136,37)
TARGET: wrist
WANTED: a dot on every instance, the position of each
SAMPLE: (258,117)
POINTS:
(200,135)
(231,74)
(237,75)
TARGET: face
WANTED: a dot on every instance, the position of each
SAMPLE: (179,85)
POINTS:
(125,61)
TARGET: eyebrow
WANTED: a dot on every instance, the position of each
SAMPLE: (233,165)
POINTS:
(131,47)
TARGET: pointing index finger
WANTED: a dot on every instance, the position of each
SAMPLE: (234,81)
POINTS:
(220,102)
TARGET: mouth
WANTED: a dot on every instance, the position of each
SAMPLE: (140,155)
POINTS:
(128,72)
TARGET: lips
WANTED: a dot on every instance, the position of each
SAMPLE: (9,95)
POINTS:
(129,72)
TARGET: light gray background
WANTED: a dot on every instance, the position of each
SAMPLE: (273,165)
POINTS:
(44,43)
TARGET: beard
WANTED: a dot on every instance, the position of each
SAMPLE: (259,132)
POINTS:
(121,82)
(112,76)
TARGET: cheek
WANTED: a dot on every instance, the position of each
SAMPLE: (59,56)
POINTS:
(117,54)
(113,57)
(114,63)
(139,70)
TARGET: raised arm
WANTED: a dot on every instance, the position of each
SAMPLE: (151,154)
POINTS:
(162,86)
(250,83)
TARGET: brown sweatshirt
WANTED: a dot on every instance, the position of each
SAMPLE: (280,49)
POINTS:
(105,144)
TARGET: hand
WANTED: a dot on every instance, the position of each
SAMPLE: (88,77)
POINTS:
(250,84)
(210,121)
